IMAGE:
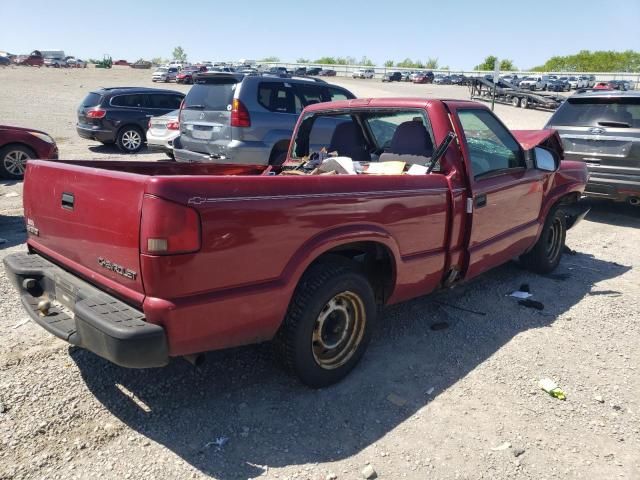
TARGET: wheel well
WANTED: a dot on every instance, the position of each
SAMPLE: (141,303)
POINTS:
(18,144)
(281,146)
(372,259)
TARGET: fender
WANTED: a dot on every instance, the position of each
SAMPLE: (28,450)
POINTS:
(322,243)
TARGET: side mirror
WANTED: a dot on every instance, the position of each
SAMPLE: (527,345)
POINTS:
(545,160)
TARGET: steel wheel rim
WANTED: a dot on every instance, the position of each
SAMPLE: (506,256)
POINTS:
(552,246)
(15,162)
(338,330)
(131,140)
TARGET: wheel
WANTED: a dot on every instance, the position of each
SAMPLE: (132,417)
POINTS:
(524,102)
(328,325)
(13,161)
(515,101)
(130,139)
(545,256)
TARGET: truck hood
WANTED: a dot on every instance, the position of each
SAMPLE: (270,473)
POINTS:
(547,138)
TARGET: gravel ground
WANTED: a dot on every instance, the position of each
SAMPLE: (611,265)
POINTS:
(458,402)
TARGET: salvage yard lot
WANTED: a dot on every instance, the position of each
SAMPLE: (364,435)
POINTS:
(424,403)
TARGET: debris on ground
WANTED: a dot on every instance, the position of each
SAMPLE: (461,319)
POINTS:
(397,400)
(568,251)
(369,472)
(439,326)
(11,195)
(430,391)
(3,407)
(531,304)
(520,294)
(517,452)
(598,398)
(552,388)
(502,446)
(19,324)
(331,476)
(218,443)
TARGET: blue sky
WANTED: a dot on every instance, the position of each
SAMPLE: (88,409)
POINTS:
(459,33)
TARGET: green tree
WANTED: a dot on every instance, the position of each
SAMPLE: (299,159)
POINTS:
(303,60)
(507,65)
(366,62)
(488,63)
(179,54)
(598,61)
(431,63)
(159,61)
(270,59)
(326,61)
(388,63)
(408,63)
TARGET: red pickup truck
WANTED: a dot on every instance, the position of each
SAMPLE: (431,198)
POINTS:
(140,261)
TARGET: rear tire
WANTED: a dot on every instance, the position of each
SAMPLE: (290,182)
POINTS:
(130,139)
(545,256)
(328,325)
(524,102)
(515,101)
(13,161)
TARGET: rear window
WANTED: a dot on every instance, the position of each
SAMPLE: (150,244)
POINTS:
(210,94)
(591,112)
(92,100)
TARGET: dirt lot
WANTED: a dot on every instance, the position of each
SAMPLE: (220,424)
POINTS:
(459,402)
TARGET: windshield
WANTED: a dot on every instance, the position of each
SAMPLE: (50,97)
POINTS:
(593,112)
(215,94)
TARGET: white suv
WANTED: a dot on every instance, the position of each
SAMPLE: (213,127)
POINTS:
(165,74)
(364,73)
(532,83)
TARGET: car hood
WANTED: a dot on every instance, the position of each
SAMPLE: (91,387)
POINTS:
(22,129)
(547,138)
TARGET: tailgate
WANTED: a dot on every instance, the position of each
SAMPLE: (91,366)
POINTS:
(87,220)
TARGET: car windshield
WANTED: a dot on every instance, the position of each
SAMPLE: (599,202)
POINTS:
(594,111)
(529,78)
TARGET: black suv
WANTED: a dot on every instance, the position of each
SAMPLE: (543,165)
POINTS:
(120,115)
(602,129)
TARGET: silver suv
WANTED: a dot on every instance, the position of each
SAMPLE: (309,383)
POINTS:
(602,129)
(247,119)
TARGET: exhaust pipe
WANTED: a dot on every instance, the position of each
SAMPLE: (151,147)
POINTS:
(635,201)
(196,360)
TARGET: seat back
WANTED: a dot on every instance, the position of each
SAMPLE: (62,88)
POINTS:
(411,138)
(348,141)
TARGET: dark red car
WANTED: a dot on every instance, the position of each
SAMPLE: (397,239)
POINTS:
(17,145)
(34,59)
(186,75)
(122,63)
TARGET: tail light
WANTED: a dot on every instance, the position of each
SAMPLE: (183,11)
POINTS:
(96,113)
(239,114)
(168,228)
(173,126)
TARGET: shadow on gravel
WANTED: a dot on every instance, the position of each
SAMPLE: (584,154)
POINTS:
(113,149)
(271,420)
(12,231)
(9,183)
(612,213)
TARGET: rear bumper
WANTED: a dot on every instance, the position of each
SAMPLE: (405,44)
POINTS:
(235,152)
(96,133)
(85,316)
(164,144)
(616,187)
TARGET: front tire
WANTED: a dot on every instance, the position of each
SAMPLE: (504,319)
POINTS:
(130,139)
(13,161)
(328,325)
(545,256)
